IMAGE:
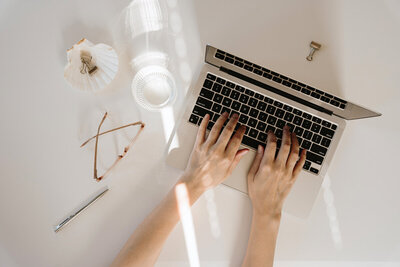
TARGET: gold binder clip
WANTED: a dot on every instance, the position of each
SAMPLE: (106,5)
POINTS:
(314,47)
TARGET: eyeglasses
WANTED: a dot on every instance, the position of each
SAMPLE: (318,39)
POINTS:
(126,149)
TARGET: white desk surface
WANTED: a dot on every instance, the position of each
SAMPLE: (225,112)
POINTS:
(44,174)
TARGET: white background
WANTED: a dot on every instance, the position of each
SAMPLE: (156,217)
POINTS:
(44,174)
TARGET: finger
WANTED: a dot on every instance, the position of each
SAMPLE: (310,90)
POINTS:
(235,141)
(299,164)
(256,163)
(285,147)
(238,156)
(216,129)
(227,131)
(270,149)
(294,152)
(201,132)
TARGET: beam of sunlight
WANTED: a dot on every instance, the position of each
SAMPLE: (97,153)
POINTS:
(212,213)
(331,212)
(143,16)
(185,215)
(168,121)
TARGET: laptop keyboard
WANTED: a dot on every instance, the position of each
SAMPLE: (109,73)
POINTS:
(281,79)
(261,114)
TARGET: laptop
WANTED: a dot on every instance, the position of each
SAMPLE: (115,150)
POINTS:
(265,100)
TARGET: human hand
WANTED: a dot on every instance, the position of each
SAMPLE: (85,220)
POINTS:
(270,179)
(214,157)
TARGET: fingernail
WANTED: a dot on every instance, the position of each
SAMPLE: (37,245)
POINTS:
(225,114)
(259,149)
(235,115)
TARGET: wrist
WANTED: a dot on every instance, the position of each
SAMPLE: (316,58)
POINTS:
(194,187)
(267,218)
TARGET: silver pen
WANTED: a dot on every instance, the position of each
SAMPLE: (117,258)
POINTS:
(73,216)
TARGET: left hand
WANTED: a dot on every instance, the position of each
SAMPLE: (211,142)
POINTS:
(214,158)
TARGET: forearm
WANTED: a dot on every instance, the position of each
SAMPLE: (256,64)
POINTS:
(262,241)
(145,244)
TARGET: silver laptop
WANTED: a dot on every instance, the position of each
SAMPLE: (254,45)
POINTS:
(265,100)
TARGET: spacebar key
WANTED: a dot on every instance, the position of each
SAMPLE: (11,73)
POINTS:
(314,158)
(251,142)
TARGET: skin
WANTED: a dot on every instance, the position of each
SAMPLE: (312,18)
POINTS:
(213,159)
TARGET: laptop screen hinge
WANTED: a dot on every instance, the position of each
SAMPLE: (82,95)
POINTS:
(275,90)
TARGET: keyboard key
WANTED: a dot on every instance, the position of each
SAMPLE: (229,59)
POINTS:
(307,165)
(314,170)
(268,100)
(297,112)
(259,96)
(253,113)
(325,142)
(229,60)
(298,131)
(235,95)
(334,127)
(314,158)
(253,133)
(278,133)
(217,87)
(201,111)
(267,75)
(278,104)
(335,103)
(306,124)
(208,84)
(316,138)
(296,87)
(307,135)
(220,56)
(227,102)
(299,139)
(243,119)
(216,117)
(253,102)
(261,126)
(261,105)
(288,117)
(276,79)
(239,88)
(200,120)
(244,98)
(316,119)
(307,116)
(315,127)
(287,108)
(280,124)
(236,105)
(306,144)
(266,70)
(225,91)
(262,116)
(301,84)
(247,67)
(318,149)
(271,109)
(286,83)
(279,113)
(194,119)
(251,142)
(342,106)
(218,98)
(291,126)
(325,99)
(239,64)
(211,76)
(274,73)
(221,81)
(205,103)
(210,125)
(271,120)
(252,122)
(257,71)
(244,109)
(270,128)
(206,93)
(305,91)
(315,95)
(297,120)
(262,137)
(326,124)
(230,84)
(216,107)
(327,132)
(249,92)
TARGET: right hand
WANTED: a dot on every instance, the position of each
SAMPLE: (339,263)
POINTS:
(270,179)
